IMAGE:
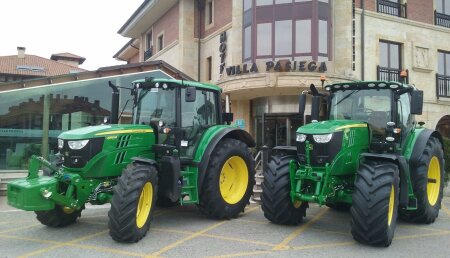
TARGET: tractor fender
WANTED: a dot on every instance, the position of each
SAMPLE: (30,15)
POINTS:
(234,133)
(420,144)
(144,160)
(403,169)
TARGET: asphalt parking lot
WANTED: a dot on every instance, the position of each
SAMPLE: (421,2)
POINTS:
(185,232)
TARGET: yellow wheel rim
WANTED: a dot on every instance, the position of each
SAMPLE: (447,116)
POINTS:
(391,205)
(434,181)
(144,205)
(233,180)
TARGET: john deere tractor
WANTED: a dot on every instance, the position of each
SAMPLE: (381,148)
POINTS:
(177,151)
(369,155)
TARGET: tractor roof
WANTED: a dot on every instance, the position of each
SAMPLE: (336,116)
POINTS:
(362,85)
(153,81)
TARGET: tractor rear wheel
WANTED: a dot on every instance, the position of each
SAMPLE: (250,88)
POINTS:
(58,217)
(276,200)
(133,203)
(428,184)
(229,180)
(375,203)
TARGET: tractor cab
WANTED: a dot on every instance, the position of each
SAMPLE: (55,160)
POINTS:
(388,108)
(179,113)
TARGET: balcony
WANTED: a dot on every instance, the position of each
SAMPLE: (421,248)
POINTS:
(390,74)
(442,86)
(441,19)
(148,53)
(391,8)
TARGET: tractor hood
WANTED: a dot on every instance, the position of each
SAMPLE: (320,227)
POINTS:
(330,126)
(103,130)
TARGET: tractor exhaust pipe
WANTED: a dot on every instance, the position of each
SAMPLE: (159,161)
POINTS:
(114,118)
(301,105)
(315,108)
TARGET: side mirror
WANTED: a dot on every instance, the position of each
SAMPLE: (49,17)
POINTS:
(190,94)
(227,118)
(416,102)
(301,104)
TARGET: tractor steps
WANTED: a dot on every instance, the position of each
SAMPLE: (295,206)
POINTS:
(257,189)
(6,177)
(189,189)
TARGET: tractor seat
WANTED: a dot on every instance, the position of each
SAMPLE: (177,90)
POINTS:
(377,123)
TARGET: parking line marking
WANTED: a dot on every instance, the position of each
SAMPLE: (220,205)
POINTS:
(424,228)
(18,229)
(423,235)
(304,247)
(196,234)
(43,250)
(41,241)
(255,221)
(445,209)
(300,230)
(241,254)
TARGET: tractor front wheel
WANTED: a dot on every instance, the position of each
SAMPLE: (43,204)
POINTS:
(375,203)
(229,180)
(133,203)
(58,217)
(276,200)
(428,183)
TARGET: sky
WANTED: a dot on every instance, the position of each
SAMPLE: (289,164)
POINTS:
(86,28)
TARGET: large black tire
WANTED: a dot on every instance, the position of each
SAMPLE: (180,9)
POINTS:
(58,217)
(222,198)
(427,208)
(276,200)
(374,209)
(133,203)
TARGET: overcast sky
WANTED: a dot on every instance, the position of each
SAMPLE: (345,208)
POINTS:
(87,28)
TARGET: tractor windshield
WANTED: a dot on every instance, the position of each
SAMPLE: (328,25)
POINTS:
(155,105)
(369,105)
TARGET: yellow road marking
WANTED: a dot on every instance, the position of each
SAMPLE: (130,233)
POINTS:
(445,209)
(296,233)
(18,229)
(241,254)
(102,249)
(423,235)
(255,221)
(423,227)
(43,250)
(196,234)
(177,243)
(346,243)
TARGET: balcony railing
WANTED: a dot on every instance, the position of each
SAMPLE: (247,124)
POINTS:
(390,74)
(441,19)
(391,8)
(148,53)
(442,86)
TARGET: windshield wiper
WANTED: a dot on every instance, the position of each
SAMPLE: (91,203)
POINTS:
(346,97)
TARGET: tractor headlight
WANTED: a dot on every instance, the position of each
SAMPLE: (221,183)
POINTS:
(301,137)
(60,143)
(322,138)
(76,145)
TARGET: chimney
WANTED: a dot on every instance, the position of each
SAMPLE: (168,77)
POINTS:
(21,52)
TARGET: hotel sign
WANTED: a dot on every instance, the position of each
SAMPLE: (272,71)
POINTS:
(280,66)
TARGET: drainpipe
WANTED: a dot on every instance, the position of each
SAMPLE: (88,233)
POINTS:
(363,13)
(200,7)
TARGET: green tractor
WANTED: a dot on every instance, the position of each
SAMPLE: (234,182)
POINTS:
(180,149)
(370,155)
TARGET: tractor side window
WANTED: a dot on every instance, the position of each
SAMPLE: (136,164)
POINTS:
(156,105)
(404,114)
(196,118)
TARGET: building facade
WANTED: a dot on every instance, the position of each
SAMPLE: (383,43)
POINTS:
(264,53)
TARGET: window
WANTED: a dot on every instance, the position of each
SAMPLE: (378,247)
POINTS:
(209,68)
(390,62)
(286,29)
(443,75)
(160,42)
(149,43)
(442,13)
(209,12)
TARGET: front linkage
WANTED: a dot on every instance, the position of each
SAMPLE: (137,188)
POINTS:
(69,190)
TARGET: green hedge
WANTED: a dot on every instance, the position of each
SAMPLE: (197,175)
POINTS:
(447,158)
